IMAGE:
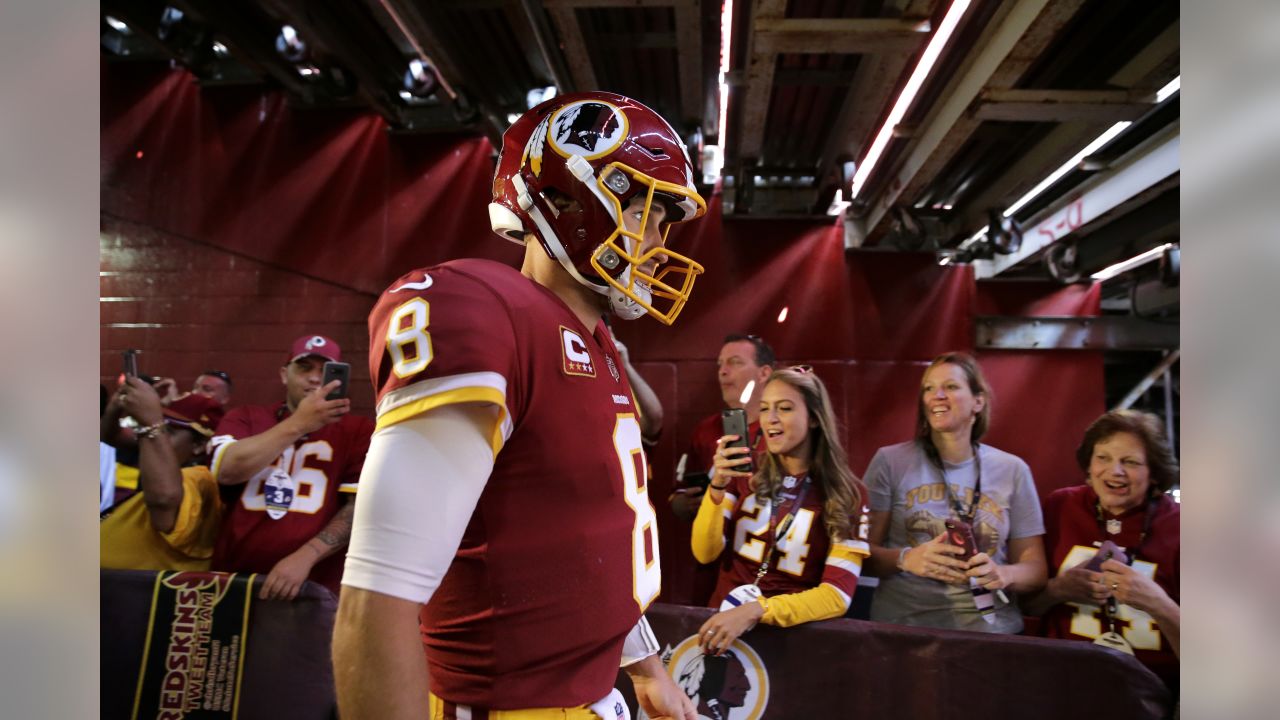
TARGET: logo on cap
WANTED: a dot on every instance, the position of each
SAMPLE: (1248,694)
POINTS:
(315,342)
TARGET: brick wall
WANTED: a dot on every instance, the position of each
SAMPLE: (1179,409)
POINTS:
(191,307)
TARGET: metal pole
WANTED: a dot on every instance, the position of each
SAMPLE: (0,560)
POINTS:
(1145,383)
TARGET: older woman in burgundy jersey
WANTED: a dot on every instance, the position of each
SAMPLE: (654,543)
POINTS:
(1129,600)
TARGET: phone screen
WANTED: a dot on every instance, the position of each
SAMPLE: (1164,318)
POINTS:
(130,363)
(961,535)
(735,423)
(336,371)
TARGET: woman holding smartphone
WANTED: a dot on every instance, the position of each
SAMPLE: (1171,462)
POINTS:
(1114,543)
(945,477)
(790,538)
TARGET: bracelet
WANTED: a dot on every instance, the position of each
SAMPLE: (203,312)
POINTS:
(150,431)
(902,558)
(721,488)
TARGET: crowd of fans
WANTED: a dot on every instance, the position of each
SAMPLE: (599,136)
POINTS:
(783,528)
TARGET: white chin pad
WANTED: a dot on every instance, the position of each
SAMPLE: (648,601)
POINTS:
(626,308)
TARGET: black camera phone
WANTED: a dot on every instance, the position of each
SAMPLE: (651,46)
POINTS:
(735,423)
(130,363)
(336,371)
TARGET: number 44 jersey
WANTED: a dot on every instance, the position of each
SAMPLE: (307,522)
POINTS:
(560,556)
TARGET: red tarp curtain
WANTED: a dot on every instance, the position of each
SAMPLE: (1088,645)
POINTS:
(331,194)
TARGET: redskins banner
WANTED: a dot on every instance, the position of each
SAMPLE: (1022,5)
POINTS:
(194,652)
(852,668)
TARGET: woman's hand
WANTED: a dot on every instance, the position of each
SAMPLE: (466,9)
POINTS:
(1078,585)
(937,560)
(720,630)
(727,462)
(989,573)
(1134,589)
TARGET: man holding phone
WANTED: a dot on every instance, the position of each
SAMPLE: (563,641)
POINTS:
(298,463)
(743,359)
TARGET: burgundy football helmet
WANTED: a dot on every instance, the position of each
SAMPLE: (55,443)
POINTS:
(567,170)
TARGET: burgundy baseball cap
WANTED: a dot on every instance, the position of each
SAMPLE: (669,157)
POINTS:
(196,412)
(320,345)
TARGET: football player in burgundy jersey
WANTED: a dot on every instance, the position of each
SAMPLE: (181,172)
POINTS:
(298,463)
(1128,468)
(504,503)
(795,533)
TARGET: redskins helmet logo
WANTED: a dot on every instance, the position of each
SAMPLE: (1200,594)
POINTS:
(587,128)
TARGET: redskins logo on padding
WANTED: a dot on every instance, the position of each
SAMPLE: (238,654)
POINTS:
(587,128)
(732,686)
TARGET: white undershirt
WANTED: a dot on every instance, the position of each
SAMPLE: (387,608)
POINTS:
(421,481)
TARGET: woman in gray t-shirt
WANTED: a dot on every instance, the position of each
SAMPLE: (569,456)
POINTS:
(946,474)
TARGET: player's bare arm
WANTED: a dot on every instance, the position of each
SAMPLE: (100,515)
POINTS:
(378,663)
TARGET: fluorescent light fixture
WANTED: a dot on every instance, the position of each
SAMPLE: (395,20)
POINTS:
(726,37)
(746,392)
(782,316)
(1067,167)
(512,118)
(838,204)
(117,25)
(1133,262)
(944,260)
(308,70)
(903,103)
(406,95)
(1174,85)
(220,50)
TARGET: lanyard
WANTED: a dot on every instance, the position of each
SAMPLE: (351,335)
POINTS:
(779,525)
(961,512)
(1148,515)
(1111,606)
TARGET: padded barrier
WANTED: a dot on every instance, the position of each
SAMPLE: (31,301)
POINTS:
(857,669)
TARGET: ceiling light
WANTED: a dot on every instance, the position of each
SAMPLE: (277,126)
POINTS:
(1067,167)
(1174,85)
(1133,262)
(290,45)
(900,106)
(838,203)
(512,118)
(117,25)
(782,316)
(537,96)
(726,37)
(308,71)
(169,17)
(420,78)
(220,50)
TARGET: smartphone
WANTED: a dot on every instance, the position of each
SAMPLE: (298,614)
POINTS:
(961,535)
(1108,551)
(336,371)
(130,363)
(735,423)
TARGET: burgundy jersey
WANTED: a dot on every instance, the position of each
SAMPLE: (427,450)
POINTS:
(560,556)
(1071,531)
(321,465)
(803,557)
